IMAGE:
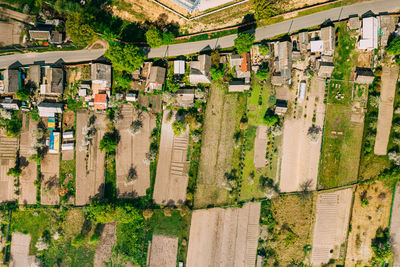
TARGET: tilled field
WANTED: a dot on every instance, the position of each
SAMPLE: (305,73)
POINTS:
(131,153)
(50,170)
(8,152)
(163,251)
(224,237)
(89,159)
(331,224)
(172,174)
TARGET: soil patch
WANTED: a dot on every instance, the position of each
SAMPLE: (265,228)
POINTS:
(105,245)
(50,171)
(20,251)
(163,251)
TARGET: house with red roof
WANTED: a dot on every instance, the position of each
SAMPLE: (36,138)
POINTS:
(100,101)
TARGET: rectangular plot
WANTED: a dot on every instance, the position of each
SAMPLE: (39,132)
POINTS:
(163,251)
(50,171)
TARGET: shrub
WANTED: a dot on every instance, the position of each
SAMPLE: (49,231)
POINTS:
(243,42)
(15,172)
(270,118)
(178,126)
(154,37)
(381,246)
(109,142)
(262,74)
(125,57)
(394,46)
(78,241)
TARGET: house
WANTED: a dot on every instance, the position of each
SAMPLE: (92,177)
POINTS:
(283,63)
(303,42)
(325,68)
(200,70)
(364,75)
(56,37)
(280,107)
(387,27)
(238,85)
(185,97)
(101,78)
(317,46)
(156,79)
(132,96)
(354,23)
(40,33)
(35,75)
(327,35)
(53,81)
(100,101)
(241,65)
(369,34)
(9,104)
(179,67)
(49,109)
(54,144)
(11,82)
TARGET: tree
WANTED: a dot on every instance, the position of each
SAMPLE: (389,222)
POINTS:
(217,73)
(154,37)
(36,158)
(132,174)
(265,8)
(263,49)
(79,29)
(381,246)
(136,126)
(23,94)
(15,172)
(178,126)
(123,80)
(125,57)
(305,189)
(394,46)
(243,42)
(262,74)
(168,38)
(109,142)
(314,132)
(270,118)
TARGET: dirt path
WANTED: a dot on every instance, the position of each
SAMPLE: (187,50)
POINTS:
(131,153)
(20,251)
(224,237)
(50,171)
(163,252)
(389,80)
(172,170)
(300,156)
(395,227)
(331,224)
(89,159)
(29,168)
(105,245)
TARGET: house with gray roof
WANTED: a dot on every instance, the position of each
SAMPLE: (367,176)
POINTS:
(156,79)
(283,63)
(11,82)
(200,70)
(53,81)
(101,74)
(364,75)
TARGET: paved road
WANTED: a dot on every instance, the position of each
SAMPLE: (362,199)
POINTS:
(288,26)
(266,32)
(50,57)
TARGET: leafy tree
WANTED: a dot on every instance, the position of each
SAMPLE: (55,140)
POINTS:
(15,172)
(173,86)
(243,42)
(125,57)
(168,38)
(36,158)
(154,37)
(65,6)
(394,46)
(101,213)
(109,142)
(178,126)
(79,29)
(217,73)
(13,126)
(263,49)
(122,80)
(381,246)
(270,118)
(23,94)
(262,74)
(264,9)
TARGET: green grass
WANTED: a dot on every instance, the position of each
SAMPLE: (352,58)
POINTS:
(67,167)
(26,222)
(340,152)
(110,190)
(258,102)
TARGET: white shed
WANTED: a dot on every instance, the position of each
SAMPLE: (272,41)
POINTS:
(317,46)
(179,67)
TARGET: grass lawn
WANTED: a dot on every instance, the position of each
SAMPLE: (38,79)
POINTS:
(174,225)
(341,148)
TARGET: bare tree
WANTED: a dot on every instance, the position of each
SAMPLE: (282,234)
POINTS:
(313,133)
(305,189)
(132,174)
(135,126)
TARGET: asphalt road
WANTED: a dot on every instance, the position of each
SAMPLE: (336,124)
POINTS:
(296,24)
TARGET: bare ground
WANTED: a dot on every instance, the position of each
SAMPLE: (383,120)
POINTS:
(260,147)
(385,115)
(131,153)
(89,159)
(8,151)
(10,32)
(20,251)
(366,219)
(50,171)
(300,156)
(29,168)
(331,224)
(172,170)
(163,251)
(105,245)
(224,237)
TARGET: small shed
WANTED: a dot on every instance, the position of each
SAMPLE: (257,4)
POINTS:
(156,78)
(54,144)
(302,90)
(49,109)
(179,67)
(317,46)
(185,97)
(68,135)
(131,97)
(364,76)
(280,107)
(238,85)
(67,146)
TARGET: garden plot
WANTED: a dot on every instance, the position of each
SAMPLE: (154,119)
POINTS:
(50,171)
(332,221)
(217,147)
(395,227)
(260,146)
(8,152)
(105,245)
(163,251)
(133,171)
(20,251)
(10,32)
(300,152)
(385,115)
(89,159)
(29,167)
(224,237)
(172,174)
(371,211)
